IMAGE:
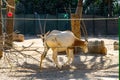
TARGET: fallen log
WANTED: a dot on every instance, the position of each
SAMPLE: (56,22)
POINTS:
(18,37)
(97,47)
(116,45)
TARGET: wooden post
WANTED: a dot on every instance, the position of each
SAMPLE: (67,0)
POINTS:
(119,35)
(1,52)
(79,8)
(10,22)
(79,13)
(119,30)
(75,24)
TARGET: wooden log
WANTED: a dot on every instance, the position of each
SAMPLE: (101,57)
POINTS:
(116,45)
(97,47)
(18,37)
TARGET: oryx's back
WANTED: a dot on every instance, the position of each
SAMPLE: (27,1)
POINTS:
(60,39)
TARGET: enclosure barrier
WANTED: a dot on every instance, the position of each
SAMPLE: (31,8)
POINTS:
(116,18)
(119,29)
(29,24)
(119,37)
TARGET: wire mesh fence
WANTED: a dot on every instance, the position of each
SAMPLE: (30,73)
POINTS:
(95,26)
(33,24)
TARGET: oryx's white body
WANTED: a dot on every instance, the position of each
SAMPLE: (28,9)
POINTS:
(60,41)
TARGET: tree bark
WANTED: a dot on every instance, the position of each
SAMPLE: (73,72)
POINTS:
(1,53)
(10,23)
(76,24)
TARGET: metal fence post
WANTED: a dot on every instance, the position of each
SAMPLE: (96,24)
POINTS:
(119,29)
(106,27)
(119,38)
(1,52)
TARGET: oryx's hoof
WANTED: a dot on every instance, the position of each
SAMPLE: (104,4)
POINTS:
(66,64)
(59,67)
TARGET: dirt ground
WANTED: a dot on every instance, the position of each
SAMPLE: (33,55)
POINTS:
(16,66)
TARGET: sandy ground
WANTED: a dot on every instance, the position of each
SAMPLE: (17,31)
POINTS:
(13,66)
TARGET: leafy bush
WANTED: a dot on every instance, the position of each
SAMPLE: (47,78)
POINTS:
(43,6)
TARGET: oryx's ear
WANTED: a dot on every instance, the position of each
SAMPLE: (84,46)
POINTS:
(47,33)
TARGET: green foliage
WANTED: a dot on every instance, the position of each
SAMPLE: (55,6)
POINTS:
(95,7)
(101,7)
(44,6)
(116,8)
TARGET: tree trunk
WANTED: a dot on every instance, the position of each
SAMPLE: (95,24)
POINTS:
(10,23)
(76,24)
(109,7)
(79,8)
(1,53)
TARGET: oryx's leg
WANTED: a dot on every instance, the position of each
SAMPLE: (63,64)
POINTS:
(42,57)
(54,56)
(70,55)
(1,54)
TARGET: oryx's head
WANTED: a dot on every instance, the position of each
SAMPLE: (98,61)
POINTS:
(85,46)
(44,36)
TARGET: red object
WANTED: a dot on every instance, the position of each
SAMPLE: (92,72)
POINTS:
(9,14)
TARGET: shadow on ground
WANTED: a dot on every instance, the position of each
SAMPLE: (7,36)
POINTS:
(89,68)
